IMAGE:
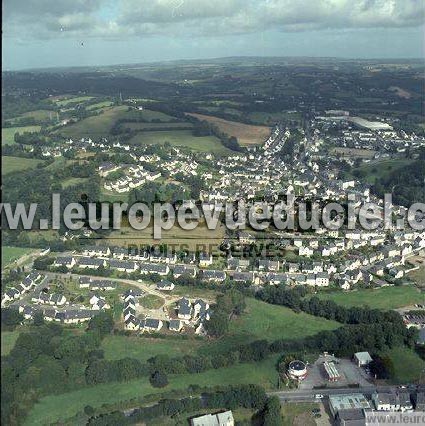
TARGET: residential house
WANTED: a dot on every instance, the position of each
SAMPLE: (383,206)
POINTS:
(189,271)
(152,324)
(205,259)
(67,261)
(276,278)
(322,279)
(237,263)
(175,325)
(84,282)
(385,401)
(97,251)
(184,308)
(123,265)
(90,263)
(103,285)
(213,275)
(305,251)
(247,277)
(57,299)
(268,265)
(405,402)
(154,268)
(165,285)
(76,316)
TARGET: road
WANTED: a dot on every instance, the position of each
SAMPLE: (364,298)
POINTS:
(297,395)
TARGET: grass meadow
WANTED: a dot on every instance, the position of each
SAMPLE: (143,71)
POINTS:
(383,298)
(12,164)
(8,133)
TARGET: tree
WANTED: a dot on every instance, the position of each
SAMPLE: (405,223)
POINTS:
(38,318)
(88,410)
(158,380)
(272,414)
(103,323)
(218,324)
(11,317)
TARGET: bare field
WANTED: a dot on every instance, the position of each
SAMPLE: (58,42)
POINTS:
(246,134)
(199,239)
(354,152)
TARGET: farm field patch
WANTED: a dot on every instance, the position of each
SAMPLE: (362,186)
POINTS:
(8,133)
(246,134)
(12,164)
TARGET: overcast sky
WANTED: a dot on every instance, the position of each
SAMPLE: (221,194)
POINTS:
(45,33)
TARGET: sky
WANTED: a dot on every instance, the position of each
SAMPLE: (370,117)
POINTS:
(57,33)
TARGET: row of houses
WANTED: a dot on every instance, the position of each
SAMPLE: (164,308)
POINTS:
(15,293)
(131,321)
(96,285)
(44,298)
(65,316)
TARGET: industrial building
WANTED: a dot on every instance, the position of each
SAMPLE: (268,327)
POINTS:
(331,371)
(351,417)
(219,419)
(362,358)
(347,402)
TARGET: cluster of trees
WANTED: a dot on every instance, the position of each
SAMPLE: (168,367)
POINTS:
(29,138)
(44,182)
(228,304)
(382,367)
(153,192)
(232,397)
(406,184)
(204,128)
(46,360)
(10,318)
(294,299)
(272,415)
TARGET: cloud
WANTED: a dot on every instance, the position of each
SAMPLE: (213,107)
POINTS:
(127,18)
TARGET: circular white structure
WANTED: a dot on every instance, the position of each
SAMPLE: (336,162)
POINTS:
(297,370)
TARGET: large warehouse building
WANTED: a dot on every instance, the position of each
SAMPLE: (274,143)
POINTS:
(347,402)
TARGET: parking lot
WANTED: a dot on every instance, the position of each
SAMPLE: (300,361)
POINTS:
(350,374)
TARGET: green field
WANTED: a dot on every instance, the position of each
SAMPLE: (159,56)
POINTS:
(298,413)
(264,321)
(143,348)
(260,321)
(96,126)
(8,339)
(99,105)
(100,125)
(150,301)
(10,254)
(183,138)
(73,182)
(383,298)
(71,100)
(54,407)
(12,164)
(157,126)
(8,133)
(150,115)
(270,118)
(380,169)
(39,115)
(408,366)
(418,276)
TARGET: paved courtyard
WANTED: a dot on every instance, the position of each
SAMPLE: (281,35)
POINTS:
(348,370)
